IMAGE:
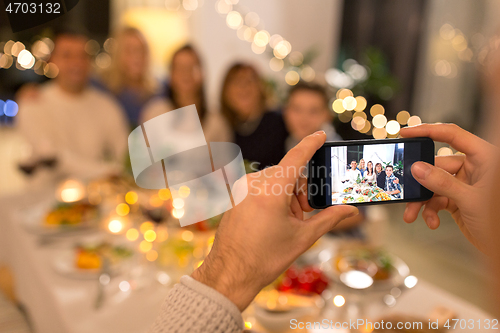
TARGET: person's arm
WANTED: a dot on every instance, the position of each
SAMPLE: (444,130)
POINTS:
(461,183)
(256,241)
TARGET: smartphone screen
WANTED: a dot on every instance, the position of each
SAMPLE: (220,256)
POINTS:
(368,172)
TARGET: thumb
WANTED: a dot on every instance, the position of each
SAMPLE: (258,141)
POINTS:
(438,180)
(328,218)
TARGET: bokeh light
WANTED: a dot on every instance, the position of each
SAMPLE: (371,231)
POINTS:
(184,191)
(258,49)
(26,59)
(92,47)
(379,133)
(152,255)
(307,73)
(17,48)
(150,235)
(414,120)
(145,246)
(223,7)
(187,235)
(358,123)
(164,194)
(345,117)
(261,38)
(252,19)
(132,234)
(338,106)
(276,64)
(343,93)
(296,58)
(411,281)
(10,108)
(51,70)
(376,110)
(403,117)
(359,114)
(360,103)
(131,197)
(349,103)
(124,286)
(122,209)
(367,127)
(339,300)
(145,226)
(115,226)
(178,213)
(234,20)
(379,121)
(392,127)
(292,78)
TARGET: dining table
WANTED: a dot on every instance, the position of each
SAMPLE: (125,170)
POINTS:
(56,303)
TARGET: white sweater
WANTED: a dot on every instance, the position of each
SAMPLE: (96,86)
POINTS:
(87,133)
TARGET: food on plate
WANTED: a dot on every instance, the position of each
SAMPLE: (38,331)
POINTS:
(382,196)
(348,189)
(305,280)
(91,256)
(374,262)
(70,214)
(348,199)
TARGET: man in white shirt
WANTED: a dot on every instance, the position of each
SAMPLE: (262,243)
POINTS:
(83,129)
(353,173)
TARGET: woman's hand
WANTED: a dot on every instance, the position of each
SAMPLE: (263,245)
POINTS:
(460,183)
(260,238)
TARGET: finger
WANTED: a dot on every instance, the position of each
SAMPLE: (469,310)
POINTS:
(439,181)
(451,134)
(296,209)
(297,158)
(451,163)
(431,209)
(328,218)
(301,192)
(411,211)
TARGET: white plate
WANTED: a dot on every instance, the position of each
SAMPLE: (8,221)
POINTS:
(64,262)
(32,220)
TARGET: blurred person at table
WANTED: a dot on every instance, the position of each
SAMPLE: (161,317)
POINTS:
(83,129)
(380,174)
(370,176)
(353,174)
(260,133)
(259,238)
(187,88)
(362,167)
(391,186)
(306,111)
(129,78)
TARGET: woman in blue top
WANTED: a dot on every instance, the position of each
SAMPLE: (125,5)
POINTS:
(128,77)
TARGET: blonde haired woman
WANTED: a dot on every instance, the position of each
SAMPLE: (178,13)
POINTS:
(128,78)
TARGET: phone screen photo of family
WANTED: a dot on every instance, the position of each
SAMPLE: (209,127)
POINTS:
(367,173)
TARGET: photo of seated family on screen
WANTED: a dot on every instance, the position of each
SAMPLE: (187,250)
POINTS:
(367,173)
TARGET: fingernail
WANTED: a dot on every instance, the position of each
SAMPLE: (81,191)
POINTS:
(319,132)
(430,221)
(354,213)
(420,170)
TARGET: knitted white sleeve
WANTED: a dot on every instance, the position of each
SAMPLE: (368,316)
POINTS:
(194,307)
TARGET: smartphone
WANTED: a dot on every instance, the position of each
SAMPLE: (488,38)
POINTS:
(364,172)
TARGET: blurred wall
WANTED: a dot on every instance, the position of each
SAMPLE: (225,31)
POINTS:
(453,97)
